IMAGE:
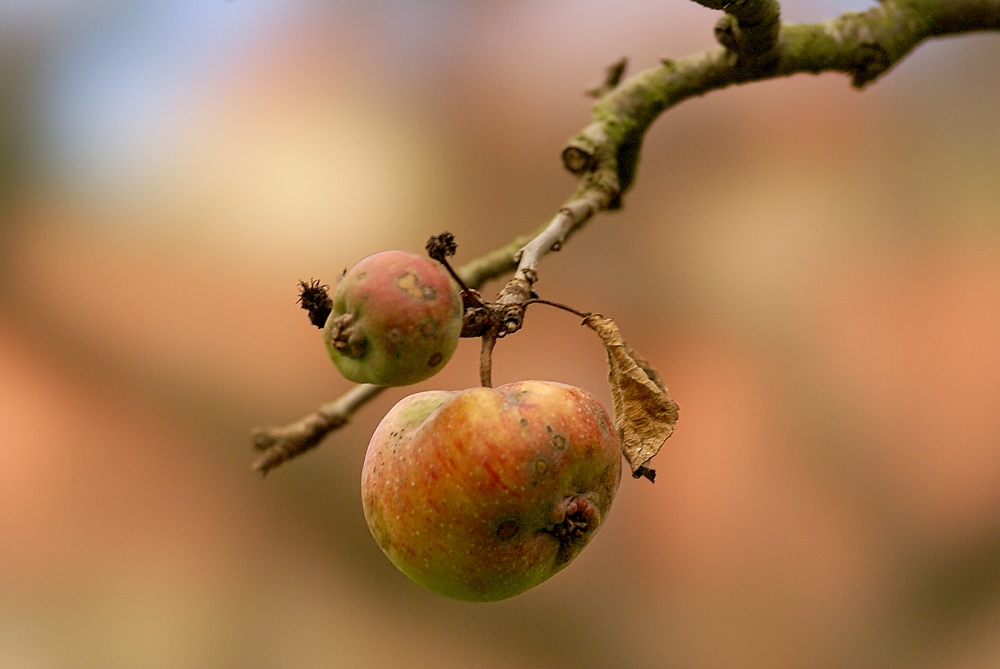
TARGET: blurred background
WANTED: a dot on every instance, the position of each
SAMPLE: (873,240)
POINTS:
(814,270)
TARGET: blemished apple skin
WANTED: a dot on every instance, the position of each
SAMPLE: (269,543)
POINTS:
(407,315)
(481,494)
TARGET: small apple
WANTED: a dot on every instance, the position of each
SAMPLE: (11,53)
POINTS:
(481,494)
(396,319)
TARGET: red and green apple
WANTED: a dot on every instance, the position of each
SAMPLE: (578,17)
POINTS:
(481,494)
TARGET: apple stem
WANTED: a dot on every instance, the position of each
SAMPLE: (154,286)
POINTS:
(538,300)
(486,359)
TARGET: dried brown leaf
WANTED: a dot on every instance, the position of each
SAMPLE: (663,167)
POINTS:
(644,413)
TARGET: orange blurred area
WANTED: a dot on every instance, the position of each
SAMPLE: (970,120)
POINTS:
(814,270)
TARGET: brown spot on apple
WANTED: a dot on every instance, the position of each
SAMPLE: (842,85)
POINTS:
(507,529)
(409,283)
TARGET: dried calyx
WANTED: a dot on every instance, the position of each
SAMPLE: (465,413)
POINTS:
(315,299)
(345,338)
(574,520)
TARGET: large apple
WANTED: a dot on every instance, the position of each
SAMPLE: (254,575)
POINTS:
(481,494)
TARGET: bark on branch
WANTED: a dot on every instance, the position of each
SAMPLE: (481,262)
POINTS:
(755,46)
(863,45)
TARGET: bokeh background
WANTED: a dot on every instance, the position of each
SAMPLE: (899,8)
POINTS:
(814,270)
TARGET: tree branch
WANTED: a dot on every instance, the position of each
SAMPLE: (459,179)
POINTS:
(755,46)
(865,45)
(281,443)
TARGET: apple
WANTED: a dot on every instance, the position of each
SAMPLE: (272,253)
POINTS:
(396,319)
(481,494)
